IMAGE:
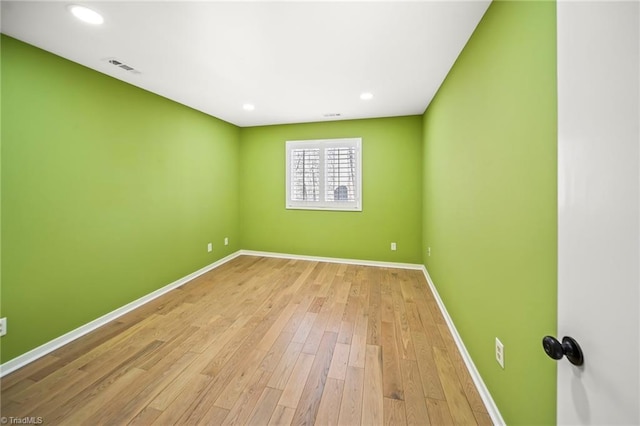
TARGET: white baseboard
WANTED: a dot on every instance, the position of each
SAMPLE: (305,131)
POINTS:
(333,260)
(58,342)
(492,408)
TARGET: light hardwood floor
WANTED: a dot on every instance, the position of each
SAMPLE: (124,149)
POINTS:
(262,341)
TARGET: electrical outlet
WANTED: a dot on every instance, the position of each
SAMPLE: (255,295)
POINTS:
(499,352)
(393,246)
(210,247)
(226,241)
(428,251)
(3,326)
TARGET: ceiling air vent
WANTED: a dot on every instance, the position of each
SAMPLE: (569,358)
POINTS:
(122,65)
(332,114)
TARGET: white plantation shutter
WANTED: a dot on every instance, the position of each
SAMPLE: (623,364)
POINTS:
(305,173)
(324,174)
(340,167)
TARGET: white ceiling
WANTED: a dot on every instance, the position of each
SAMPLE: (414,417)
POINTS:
(295,61)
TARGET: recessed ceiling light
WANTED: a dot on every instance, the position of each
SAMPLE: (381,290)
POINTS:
(85,14)
(366,96)
(248,107)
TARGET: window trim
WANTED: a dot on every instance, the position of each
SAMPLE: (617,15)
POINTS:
(323,144)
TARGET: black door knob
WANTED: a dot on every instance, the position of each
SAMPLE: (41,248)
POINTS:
(569,348)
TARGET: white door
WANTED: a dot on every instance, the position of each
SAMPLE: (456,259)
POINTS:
(598,210)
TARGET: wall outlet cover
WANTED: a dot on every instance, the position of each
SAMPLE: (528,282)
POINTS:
(499,352)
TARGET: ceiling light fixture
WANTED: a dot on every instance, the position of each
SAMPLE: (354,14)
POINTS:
(85,14)
(366,96)
(248,107)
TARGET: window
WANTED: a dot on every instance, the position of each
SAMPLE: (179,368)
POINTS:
(324,174)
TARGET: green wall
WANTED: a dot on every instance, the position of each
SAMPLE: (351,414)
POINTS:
(108,193)
(391,193)
(490,202)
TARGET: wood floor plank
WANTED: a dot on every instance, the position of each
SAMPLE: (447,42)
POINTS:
(296,319)
(338,368)
(350,312)
(316,304)
(225,344)
(429,324)
(305,327)
(169,394)
(295,385)
(109,347)
(431,380)
(374,315)
(312,343)
(282,372)
(282,416)
(344,286)
(359,339)
(262,341)
(401,322)
(303,278)
(261,321)
(413,317)
(244,340)
(406,288)
(177,407)
(346,332)
(87,412)
(179,339)
(483,418)
(34,372)
(387,310)
(329,408)
(435,311)
(277,327)
(414,400)
(470,390)
(309,401)
(91,385)
(19,387)
(335,319)
(149,386)
(353,302)
(275,353)
(240,379)
(394,413)
(244,405)
(56,387)
(372,398)
(145,417)
(391,375)
(439,413)
(265,406)
(351,403)
(215,416)
(358,350)
(455,397)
